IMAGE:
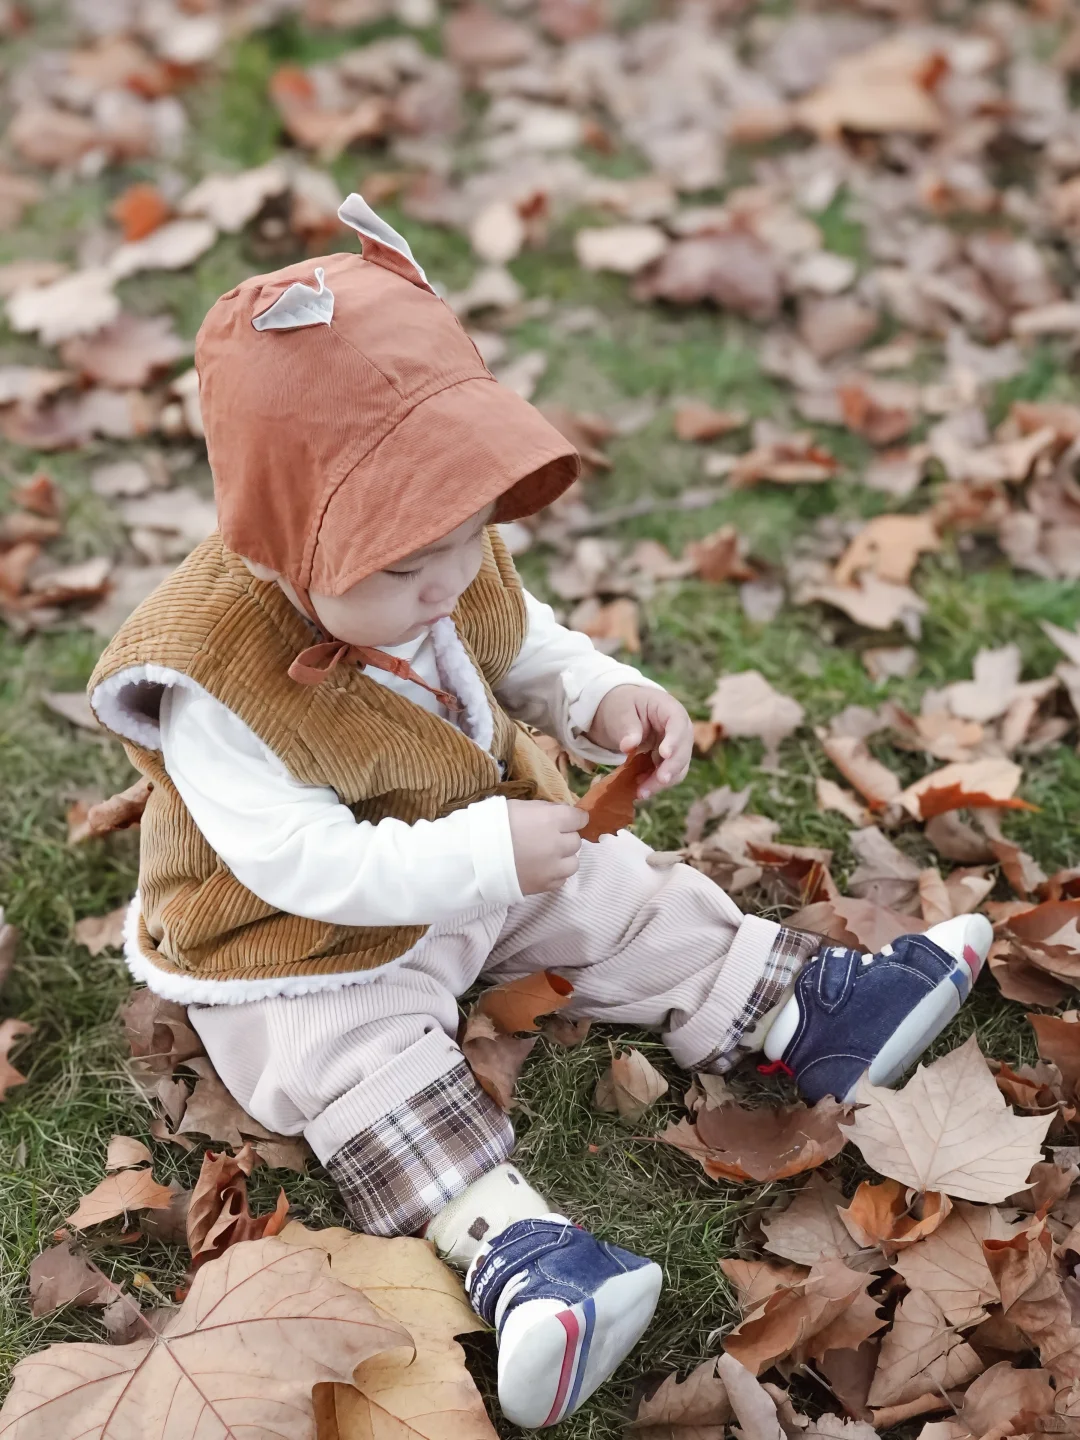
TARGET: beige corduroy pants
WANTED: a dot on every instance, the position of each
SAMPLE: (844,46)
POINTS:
(371,1073)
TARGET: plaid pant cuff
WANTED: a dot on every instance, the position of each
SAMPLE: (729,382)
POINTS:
(397,1174)
(790,951)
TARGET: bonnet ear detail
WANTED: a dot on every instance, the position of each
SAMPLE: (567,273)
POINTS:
(299,306)
(384,246)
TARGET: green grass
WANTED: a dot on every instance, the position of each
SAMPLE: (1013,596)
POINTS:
(614,1178)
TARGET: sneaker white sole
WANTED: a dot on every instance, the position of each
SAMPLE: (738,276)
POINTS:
(551,1365)
(919,1028)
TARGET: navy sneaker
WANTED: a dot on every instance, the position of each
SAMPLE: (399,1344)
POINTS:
(566,1309)
(852,1013)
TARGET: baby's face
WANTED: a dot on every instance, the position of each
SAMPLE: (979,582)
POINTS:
(398,604)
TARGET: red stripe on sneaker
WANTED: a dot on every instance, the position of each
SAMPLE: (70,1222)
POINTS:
(568,1320)
(974,960)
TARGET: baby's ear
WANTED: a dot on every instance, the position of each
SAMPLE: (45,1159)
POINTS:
(382,243)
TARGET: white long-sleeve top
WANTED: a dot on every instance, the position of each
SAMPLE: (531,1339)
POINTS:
(298,848)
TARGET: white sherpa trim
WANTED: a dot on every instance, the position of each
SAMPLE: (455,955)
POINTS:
(113,701)
(186,990)
(458,674)
(299,306)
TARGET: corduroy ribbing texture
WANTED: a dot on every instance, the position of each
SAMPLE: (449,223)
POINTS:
(213,624)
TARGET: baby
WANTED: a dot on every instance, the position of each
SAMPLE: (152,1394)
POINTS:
(350,823)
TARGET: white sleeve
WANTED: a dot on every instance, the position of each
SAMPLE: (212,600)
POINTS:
(558,680)
(298,848)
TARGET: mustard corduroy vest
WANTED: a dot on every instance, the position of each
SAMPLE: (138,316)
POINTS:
(212,623)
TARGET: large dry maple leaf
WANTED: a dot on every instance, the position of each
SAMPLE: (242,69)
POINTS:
(260,1327)
(948,1129)
(429,1395)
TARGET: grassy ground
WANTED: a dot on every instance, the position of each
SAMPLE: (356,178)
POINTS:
(53,1130)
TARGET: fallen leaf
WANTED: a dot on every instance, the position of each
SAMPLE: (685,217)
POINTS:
(1004,1394)
(957,841)
(217,1213)
(989,694)
(127,354)
(733,1143)
(828,1310)
(873,603)
(424,1397)
(9,944)
(259,1329)
(734,270)
(880,89)
(616,625)
(1058,1040)
(116,1195)
(810,1228)
(139,210)
(921,1352)
(694,420)
(755,1280)
(518,1004)
(625,249)
(831,796)
(948,1129)
(884,874)
(494,1057)
(795,460)
(73,705)
(754,1408)
(889,546)
(158,1034)
(10,1032)
(212,1111)
(719,556)
(745,704)
(125,1151)
(60,1276)
(881,1214)
(609,801)
(1032,1297)
(966,785)
(696,1408)
(630,1085)
(874,781)
(102,932)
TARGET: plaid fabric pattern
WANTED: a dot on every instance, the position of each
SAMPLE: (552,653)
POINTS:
(790,950)
(399,1173)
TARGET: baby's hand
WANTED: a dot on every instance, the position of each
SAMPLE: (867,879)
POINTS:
(633,715)
(546,843)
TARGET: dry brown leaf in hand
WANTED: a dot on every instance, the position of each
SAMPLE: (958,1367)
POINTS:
(829,1310)
(11,1031)
(890,546)
(921,1352)
(259,1329)
(696,1408)
(62,1275)
(1032,1297)
(430,1396)
(218,1215)
(746,705)
(609,801)
(102,932)
(883,1215)
(518,1004)
(967,785)
(120,811)
(629,1085)
(494,1057)
(117,1194)
(948,1129)
(733,1143)
(810,1228)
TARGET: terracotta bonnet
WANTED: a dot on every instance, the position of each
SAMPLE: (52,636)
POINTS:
(350,420)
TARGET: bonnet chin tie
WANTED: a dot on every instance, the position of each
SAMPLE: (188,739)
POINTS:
(313,665)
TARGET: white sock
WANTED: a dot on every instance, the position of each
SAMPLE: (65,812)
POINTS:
(480,1212)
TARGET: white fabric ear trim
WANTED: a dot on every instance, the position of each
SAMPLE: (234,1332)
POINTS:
(356,212)
(186,990)
(299,306)
(115,701)
(459,676)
